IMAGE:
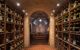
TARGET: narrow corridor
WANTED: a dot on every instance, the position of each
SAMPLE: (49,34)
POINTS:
(40,47)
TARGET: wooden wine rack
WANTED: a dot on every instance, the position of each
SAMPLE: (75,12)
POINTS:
(11,28)
(68,28)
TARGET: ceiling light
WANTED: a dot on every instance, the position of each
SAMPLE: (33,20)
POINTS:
(58,4)
(26,13)
(53,11)
(23,11)
(18,4)
(40,20)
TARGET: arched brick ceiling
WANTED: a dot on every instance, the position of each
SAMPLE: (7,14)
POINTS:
(34,5)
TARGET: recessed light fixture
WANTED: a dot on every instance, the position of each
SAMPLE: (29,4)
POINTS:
(40,20)
(58,4)
(53,11)
(18,4)
(26,13)
(23,11)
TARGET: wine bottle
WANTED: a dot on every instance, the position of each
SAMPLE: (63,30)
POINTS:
(1,30)
(75,3)
(74,42)
(64,29)
(7,40)
(65,38)
(7,19)
(11,47)
(1,18)
(11,20)
(74,17)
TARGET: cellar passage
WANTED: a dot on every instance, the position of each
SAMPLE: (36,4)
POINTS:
(39,24)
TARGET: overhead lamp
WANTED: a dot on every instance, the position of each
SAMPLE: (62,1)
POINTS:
(18,4)
(58,4)
(53,11)
(26,13)
(23,11)
(40,20)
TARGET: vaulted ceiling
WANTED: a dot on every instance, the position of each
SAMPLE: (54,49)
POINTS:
(38,5)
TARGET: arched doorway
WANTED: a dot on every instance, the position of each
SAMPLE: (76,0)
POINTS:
(39,25)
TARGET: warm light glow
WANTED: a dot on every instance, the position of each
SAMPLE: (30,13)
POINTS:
(40,20)
(26,13)
(18,4)
(23,11)
(53,11)
(58,4)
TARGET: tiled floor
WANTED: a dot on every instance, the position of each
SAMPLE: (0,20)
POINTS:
(40,47)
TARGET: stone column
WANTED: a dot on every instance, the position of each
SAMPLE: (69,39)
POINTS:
(26,32)
(52,32)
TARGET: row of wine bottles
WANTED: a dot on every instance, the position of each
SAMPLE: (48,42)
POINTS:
(68,28)
(11,28)
(74,39)
(10,20)
(64,46)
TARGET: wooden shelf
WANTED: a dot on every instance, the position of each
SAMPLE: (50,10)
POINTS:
(69,43)
(8,28)
(68,28)
(72,9)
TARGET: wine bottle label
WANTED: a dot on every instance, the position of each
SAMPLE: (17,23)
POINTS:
(74,17)
(7,19)
(64,20)
(1,18)
(64,29)
(11,48)
(74,42)
(67,39)
(1,30)
(73,28)
(15,14)
(11,20)
(7,40)
(74,4)
(64,11)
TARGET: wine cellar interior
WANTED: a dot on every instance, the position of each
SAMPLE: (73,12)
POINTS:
(39,24)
